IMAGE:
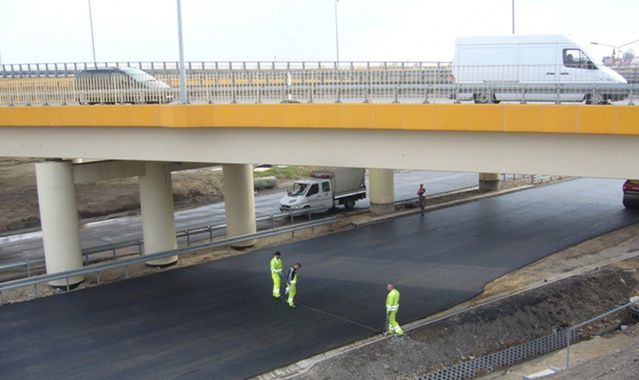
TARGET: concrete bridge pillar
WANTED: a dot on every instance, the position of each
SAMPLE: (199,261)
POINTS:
(488,182)
(382,190)
(239,201)
(156,203)
(59,219)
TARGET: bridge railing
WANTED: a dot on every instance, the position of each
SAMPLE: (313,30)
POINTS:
(307,82)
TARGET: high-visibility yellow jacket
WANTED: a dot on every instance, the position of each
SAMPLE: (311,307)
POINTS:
(392,301)
(276,266)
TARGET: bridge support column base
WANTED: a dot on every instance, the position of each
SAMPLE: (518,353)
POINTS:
(382,190)
(59,219)
(239,201)
(156,203)
(488,182)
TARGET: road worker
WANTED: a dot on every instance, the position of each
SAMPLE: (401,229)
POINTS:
(421,195)
(392,306)
(276,273)
(291,284)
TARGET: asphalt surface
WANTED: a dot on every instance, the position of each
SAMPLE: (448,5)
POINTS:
(29,245)
(217,320)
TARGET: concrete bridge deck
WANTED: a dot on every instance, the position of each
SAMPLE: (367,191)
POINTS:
(594,141)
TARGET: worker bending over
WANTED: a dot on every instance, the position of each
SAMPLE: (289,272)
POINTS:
(291,283)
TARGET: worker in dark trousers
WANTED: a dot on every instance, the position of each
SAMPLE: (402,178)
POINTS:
(421,194)
(291,284)
(276,274)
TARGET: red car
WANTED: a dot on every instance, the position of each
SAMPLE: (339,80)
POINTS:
(631,193)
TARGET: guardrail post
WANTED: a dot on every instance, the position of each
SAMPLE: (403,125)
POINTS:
(188,238)
(568,336)
(35,291)
(523,94)
(210,233)
(425,93)
(67,278)
(28,268)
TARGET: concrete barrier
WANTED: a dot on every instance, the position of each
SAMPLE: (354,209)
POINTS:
(261,183)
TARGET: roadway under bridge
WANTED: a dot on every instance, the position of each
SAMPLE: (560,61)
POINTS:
(217,320)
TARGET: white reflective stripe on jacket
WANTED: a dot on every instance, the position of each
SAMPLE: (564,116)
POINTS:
(390,308)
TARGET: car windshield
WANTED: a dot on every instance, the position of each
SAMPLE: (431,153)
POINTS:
(138,75)
(297,189)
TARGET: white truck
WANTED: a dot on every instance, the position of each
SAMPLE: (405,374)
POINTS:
(326,188)
(494,69)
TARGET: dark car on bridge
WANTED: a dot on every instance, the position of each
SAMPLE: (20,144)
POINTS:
(113,85)
(631,193)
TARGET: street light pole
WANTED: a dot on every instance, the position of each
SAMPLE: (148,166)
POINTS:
(92,38)
(183,94)
(513,15)
(336,33)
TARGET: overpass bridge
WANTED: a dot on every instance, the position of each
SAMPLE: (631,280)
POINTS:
(377,116)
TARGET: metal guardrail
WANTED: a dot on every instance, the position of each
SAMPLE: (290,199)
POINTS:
(485,364)
(126,263)
(187,234)
(307,82)
(572,332)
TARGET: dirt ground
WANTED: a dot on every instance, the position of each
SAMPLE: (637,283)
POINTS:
(612,356)
(19,198)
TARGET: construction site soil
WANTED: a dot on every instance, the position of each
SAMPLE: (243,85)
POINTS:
(19,198)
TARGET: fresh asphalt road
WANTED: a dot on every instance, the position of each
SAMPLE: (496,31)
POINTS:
(217,320)
(29,245)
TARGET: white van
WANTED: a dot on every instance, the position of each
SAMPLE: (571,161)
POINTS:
(531,68)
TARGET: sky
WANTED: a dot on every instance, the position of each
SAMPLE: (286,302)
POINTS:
(48,31)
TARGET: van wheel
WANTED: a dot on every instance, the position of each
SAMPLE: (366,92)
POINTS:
(349,204)
(596,98)
(485,98)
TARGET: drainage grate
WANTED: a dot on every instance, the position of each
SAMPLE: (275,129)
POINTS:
(512,355)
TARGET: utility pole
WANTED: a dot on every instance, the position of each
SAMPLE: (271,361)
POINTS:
(336,33)
(92,38)
(513,15)
(183,94)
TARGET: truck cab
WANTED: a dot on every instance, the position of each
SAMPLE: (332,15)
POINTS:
(308,194)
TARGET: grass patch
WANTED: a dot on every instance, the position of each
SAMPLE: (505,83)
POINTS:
(287,172)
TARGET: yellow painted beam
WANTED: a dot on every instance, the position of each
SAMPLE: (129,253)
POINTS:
(513,118)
